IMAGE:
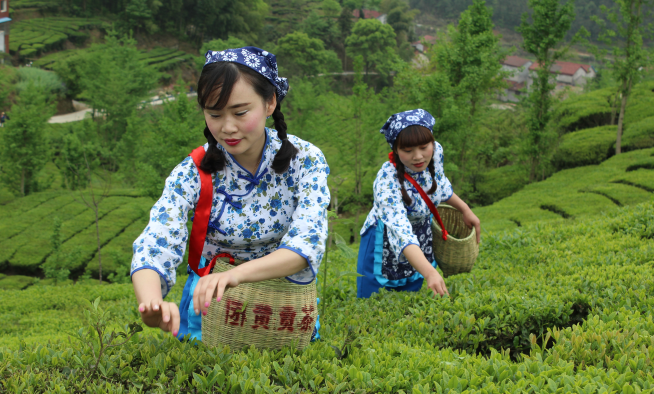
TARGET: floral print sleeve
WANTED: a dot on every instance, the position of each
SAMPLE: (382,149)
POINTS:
(390,209)
(162,244)
(308,230)
(445,191)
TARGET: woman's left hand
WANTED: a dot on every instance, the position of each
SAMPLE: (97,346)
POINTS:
(471,220)
(209,284)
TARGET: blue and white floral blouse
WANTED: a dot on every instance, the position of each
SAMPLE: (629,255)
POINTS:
(251,216)
(399,220)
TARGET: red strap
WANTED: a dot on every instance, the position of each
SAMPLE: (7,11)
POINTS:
(424,196)
(201,219)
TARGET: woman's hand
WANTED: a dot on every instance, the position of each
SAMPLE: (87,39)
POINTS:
(471,220)
(209,284)
(162,314)
(436,283)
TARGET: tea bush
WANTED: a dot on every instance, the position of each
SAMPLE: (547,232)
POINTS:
(160,59)
(29,38)
(548,307)
(576,192)
(585,147)
(25,244)
(500,183)
(639,135)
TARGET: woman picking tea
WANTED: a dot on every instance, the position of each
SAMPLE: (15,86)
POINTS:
(396,249)
(267,203)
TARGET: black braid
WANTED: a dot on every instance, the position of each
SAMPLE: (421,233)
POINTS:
(214,159)
(432,172)
(400,177)
(287,151)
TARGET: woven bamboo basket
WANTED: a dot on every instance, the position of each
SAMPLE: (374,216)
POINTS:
(459,252)
(269,314)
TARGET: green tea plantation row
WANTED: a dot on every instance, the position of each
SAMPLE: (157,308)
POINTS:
(622,180)
(552,307)
(27,227)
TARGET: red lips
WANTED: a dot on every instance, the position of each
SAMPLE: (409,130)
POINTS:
(419,165)
(232,142)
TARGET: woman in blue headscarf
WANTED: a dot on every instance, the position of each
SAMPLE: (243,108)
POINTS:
(396,239)
(269,204)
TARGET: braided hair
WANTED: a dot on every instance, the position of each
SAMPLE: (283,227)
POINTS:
(218,79)
(411,136)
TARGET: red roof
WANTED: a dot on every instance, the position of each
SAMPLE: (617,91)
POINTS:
(430,39)
(515,86)
(367,14)
(565,68)
(515,61)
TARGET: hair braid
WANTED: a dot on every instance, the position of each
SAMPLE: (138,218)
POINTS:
(214,159)
(432,172)
(400,177)
(287,151)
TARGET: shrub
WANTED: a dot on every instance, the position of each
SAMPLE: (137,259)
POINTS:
(585,147)
(583,111)
(499,183)
(639,135)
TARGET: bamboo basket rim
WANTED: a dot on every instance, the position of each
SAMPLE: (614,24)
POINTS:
(450,237)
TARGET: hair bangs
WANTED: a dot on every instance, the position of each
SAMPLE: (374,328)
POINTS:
(216,83)
(414,135)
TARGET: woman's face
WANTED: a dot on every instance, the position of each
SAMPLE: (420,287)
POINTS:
(416,158)
(240,126)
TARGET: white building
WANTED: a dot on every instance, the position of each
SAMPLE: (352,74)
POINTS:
(519,77)
(567,73)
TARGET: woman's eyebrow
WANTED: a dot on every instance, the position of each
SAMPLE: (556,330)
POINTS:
(238,105)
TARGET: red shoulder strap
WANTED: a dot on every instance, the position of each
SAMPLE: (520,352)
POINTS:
(424,196)
(202,215)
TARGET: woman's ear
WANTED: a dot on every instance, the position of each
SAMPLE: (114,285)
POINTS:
(271,105)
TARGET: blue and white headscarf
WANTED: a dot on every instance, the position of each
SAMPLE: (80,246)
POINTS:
(402,120)
(263,62)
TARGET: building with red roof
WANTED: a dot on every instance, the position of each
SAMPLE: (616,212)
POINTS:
(569,73)
(420,45)
(370,14)
(4,26)
(518,69)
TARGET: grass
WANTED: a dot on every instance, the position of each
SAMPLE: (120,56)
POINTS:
(576,192)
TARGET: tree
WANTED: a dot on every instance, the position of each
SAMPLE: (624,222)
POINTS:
(375,42)
(629,18)
(472,61)
(345,29)
(84,169)
(400,16)
(24,144)
(115,82)
(550,22)
(353,123)
(6,77)
(138,15)
(322,23)
(222,18)
(301,55)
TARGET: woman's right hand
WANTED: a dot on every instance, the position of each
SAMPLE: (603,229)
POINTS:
(162,314)
(436,283)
